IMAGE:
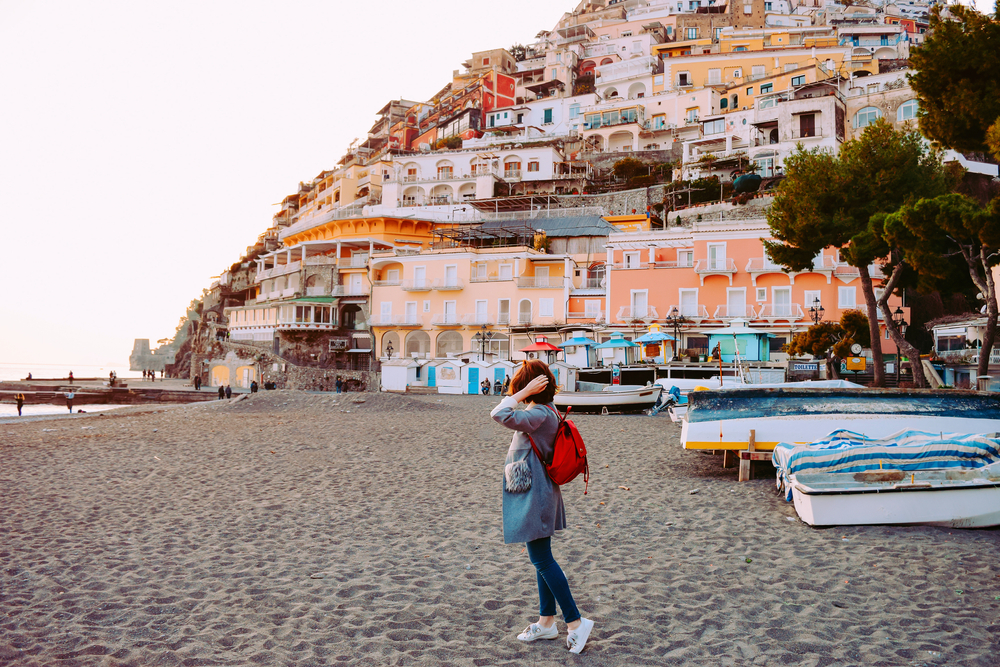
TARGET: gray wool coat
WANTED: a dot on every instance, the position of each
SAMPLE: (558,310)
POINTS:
(538,512)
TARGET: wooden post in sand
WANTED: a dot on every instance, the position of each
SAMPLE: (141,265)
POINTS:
(749,456)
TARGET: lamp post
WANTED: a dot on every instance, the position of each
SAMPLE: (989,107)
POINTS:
(674,321)
(816,311)
(482,337)
(388,350)
(901,324)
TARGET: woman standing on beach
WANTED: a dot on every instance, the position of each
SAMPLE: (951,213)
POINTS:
(532,505)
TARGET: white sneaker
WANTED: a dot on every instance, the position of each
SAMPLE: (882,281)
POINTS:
(577,639)
(535,631)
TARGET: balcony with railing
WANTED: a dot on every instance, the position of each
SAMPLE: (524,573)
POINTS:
(780,311)
(541,282)
(510,174)
(446,320)
(595,315)
(634,313)
(721,266)
(799,133)
(387,283)
(350,290)
(411,320)
(491,278)
(847,273)
(726,312)
(417,285)
(279,270)
(355,262)
(448,285)
(693,313)
(478,319)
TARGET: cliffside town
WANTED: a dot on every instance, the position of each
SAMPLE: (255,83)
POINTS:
(581,185)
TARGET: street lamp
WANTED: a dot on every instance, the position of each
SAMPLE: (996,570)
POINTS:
(674,321)
(816,311)
(388,350)
(482,337)
(901,324)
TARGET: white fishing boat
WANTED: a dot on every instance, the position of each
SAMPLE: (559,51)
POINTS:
(969,499)
(616,398)
(910,477)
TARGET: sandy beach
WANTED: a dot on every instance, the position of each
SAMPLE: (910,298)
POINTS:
(296,529)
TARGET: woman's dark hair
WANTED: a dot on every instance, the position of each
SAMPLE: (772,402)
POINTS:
(528,371)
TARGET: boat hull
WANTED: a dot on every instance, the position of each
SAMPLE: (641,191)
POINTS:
(971,506)
(724,419)
(634,400)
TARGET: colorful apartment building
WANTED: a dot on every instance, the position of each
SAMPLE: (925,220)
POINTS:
(716,272)
(433,303)
(319,283)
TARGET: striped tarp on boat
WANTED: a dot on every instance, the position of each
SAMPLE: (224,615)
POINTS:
(849,452)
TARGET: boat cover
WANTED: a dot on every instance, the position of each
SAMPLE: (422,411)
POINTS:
(849,452)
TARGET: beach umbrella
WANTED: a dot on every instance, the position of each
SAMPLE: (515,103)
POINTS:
(617,340)
(579,341)
(653,337)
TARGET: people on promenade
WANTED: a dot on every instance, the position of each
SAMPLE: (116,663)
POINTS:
(69,399)
(197,383)
(533,507)
(253,387)
(222,392)
(229,391)
(339,385)
(29,377)
(19,399)
(71,377)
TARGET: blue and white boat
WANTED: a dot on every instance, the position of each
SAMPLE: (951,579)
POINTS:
(910,477)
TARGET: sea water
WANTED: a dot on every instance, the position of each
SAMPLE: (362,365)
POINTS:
(8,411)
(19,371)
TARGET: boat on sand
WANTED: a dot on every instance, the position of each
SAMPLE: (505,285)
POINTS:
(616,398)
(911,477)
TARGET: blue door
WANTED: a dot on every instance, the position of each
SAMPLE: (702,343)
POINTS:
(473,380)
(499,375)
(555,374)
(431,376)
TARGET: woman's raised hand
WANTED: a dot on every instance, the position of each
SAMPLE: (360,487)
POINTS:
(536,385)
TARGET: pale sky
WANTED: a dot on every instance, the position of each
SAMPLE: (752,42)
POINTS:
(143,145)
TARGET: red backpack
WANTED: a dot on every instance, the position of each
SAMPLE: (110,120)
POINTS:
(569,454)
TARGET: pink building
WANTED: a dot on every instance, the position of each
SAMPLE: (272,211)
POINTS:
(714,272)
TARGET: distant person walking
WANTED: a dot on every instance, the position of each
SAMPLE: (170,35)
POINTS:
(253,387)
(340,385)
(197,383)
(229,391)
(19,399)
(69,400)
(532,504)
(71,377)
(222,392)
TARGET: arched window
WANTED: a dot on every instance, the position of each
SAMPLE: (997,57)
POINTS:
(391,338)
(524,312)
(449,342)
(595,275)
(418,343)
(907,111)
(866,117)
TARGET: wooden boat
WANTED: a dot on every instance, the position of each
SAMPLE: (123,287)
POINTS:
(723,419)
(616,398)
(946,479)
(969,499)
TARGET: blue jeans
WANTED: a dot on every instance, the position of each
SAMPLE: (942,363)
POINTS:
(552,584)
